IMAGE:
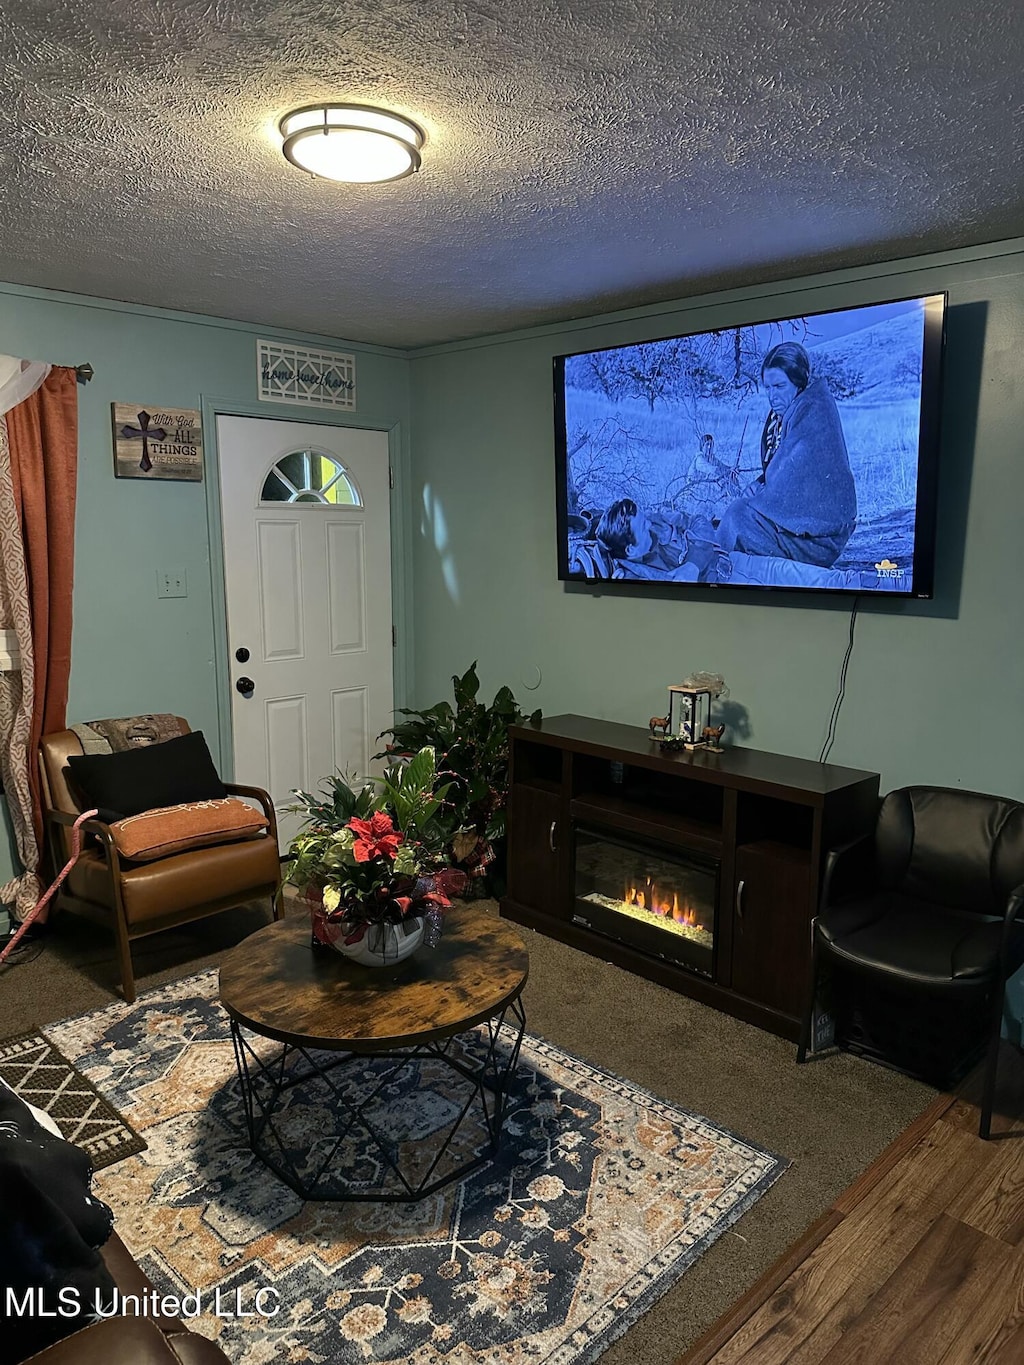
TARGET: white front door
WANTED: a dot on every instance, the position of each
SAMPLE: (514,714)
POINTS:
(307,566)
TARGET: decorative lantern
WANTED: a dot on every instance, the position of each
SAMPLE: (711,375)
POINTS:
(689,714)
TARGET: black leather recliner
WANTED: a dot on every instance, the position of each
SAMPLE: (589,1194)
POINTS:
(924,914)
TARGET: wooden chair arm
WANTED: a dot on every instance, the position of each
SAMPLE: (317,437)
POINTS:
(94,826)
(97,827)
(257,794)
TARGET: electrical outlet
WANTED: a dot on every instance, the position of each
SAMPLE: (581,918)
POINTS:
(171,583)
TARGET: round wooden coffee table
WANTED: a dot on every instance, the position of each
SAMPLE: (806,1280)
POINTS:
(393,1055)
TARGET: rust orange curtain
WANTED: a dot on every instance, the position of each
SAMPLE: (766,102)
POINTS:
(43,436)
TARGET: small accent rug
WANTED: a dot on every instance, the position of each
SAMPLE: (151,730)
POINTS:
(36,1071)
(600,1198)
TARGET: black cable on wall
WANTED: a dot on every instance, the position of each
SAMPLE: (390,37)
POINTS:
(830,737)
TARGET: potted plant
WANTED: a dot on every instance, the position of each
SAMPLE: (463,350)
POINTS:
(471,743)
(372,860)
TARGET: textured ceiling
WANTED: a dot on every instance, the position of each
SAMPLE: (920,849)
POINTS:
(579,156)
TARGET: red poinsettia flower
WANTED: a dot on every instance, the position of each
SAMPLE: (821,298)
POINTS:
(375,838)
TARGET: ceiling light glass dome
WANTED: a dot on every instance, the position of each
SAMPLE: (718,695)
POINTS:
(353,143)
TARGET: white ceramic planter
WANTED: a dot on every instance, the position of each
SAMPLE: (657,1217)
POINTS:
(383,944)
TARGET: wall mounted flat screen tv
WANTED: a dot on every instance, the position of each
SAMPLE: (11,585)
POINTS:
(798,453)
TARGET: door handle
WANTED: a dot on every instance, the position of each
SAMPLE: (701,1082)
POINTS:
(246,686)
(551,837)
(739,898)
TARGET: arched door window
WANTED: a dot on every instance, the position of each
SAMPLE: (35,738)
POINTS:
(310,476)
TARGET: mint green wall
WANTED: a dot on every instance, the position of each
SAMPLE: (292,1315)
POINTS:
(485,570)
(131,651)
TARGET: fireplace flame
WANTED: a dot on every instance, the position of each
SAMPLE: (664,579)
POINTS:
(658,902)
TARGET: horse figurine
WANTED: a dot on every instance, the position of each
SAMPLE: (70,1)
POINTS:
(711,734)
(658,723)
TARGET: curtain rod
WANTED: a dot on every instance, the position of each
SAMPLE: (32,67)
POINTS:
(83,373)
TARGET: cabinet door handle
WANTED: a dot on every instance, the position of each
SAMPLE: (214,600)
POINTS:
(551,836)
(739,898)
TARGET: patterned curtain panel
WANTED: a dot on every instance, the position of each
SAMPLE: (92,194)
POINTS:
(38,473)
(16,693)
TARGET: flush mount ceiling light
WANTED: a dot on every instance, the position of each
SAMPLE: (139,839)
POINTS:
(353,143)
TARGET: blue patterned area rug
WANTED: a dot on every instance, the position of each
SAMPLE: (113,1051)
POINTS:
(602,1195)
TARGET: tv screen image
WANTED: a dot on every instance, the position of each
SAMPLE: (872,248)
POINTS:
(797,453)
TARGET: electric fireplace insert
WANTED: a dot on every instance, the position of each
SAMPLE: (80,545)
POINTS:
(659,901)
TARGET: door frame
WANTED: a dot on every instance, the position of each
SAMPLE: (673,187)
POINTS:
(401,544)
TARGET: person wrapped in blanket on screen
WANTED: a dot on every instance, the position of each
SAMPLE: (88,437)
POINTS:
(803,504)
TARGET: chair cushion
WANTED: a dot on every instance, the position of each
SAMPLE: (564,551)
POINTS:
(168,774)
(170,888)
(914,941)
(196,824)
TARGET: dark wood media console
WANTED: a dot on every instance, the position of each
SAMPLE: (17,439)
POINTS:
(767,820)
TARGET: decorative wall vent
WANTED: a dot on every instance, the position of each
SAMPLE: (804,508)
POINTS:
(295,374)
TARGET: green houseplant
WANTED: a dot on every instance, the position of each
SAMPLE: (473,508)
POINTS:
(373,854)
(471,743)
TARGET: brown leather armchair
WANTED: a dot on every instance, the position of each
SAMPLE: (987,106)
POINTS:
(144,898)
(147,1339)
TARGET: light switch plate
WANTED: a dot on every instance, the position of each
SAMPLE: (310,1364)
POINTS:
(171,583)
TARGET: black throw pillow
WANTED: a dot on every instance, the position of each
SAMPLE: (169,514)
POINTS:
(167,774)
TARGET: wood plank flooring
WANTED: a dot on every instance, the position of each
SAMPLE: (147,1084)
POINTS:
(920,1261)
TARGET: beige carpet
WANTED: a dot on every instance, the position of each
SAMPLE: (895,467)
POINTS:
(830,1118)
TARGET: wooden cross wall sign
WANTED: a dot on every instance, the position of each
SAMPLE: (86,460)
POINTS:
(154,442)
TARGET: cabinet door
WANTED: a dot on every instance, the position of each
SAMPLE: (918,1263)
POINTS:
(773,908)
(536,835)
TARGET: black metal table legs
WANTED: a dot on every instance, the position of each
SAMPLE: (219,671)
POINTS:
(406,1122)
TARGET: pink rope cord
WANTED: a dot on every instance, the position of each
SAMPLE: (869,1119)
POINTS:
(76,849)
